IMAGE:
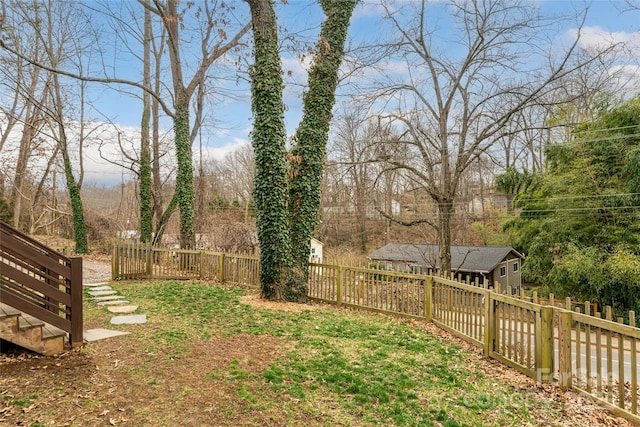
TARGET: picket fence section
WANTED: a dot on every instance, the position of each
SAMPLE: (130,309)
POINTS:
(573,347)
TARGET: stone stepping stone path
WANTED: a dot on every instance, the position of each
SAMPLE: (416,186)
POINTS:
(101,293)
(132,319)
(122,308)
(99,288)
(91,335)
(93,285)
(110,303)
(105,296)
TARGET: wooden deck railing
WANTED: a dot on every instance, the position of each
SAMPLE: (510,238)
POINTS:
(41,282)
(595,356)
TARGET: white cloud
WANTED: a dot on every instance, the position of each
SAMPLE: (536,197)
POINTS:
(297,69)
(366,9)
(597,39)
(627,79)
(219,153)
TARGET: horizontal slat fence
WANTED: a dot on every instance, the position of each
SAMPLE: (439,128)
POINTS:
(592,353)
(41,282)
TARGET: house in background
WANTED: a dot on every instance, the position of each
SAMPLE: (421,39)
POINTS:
(486,264)
(316,251)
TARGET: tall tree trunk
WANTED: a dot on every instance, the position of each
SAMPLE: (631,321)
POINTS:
(146,207)
(445,212)
(17,192)
(286,217)
(268,139)
(79,226)
(162,217)
(184,178)
(312,136)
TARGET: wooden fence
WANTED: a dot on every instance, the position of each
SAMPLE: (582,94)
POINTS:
(595,355)
(142,261)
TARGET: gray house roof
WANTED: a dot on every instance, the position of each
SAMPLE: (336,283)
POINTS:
(482,259)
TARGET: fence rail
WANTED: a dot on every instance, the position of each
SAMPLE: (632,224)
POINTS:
(594,355)
(41,282)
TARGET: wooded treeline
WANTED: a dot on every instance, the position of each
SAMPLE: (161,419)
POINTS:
(445,130)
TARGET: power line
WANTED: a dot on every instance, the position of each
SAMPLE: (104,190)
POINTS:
(606,129)
(592,196)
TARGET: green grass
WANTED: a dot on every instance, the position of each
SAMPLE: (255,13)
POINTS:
(354,367)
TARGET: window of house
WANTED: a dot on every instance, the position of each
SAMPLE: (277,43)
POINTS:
(515,267)
(503,271)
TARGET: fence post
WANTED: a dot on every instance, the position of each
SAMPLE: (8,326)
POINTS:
(221,269)
(489,323)
(564,349)
(428,289)
(149,260)
(544,345)
(339,286)
(114,262)
(634,364)
(201,265)
(75,337)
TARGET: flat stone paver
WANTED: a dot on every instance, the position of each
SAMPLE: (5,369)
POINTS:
(132,319)
(100,288)
(107,298)
(102,293)
(123,308)
(114,302)
(93,285)
(100,334)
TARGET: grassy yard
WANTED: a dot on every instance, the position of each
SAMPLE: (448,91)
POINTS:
(215,356)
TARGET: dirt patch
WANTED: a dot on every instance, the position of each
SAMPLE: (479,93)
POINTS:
(255,301)
(95,269)
(106,383)
(248,353)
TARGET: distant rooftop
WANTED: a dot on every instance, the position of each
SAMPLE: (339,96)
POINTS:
(463,258)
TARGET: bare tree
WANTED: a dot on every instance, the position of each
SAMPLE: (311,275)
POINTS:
(451,106)
(45,112)
(354,152)
(210,21)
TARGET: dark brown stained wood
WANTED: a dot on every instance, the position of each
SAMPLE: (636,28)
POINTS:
(41,282)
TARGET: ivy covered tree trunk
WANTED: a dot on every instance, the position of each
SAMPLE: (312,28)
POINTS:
(268,139)
(79,227)
(288,198)
(146,202)
(312,135)
(184,179)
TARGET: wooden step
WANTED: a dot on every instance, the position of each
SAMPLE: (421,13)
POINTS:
(8,311)
(30,332)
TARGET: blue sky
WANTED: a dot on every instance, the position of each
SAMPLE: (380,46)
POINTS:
(229,120)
